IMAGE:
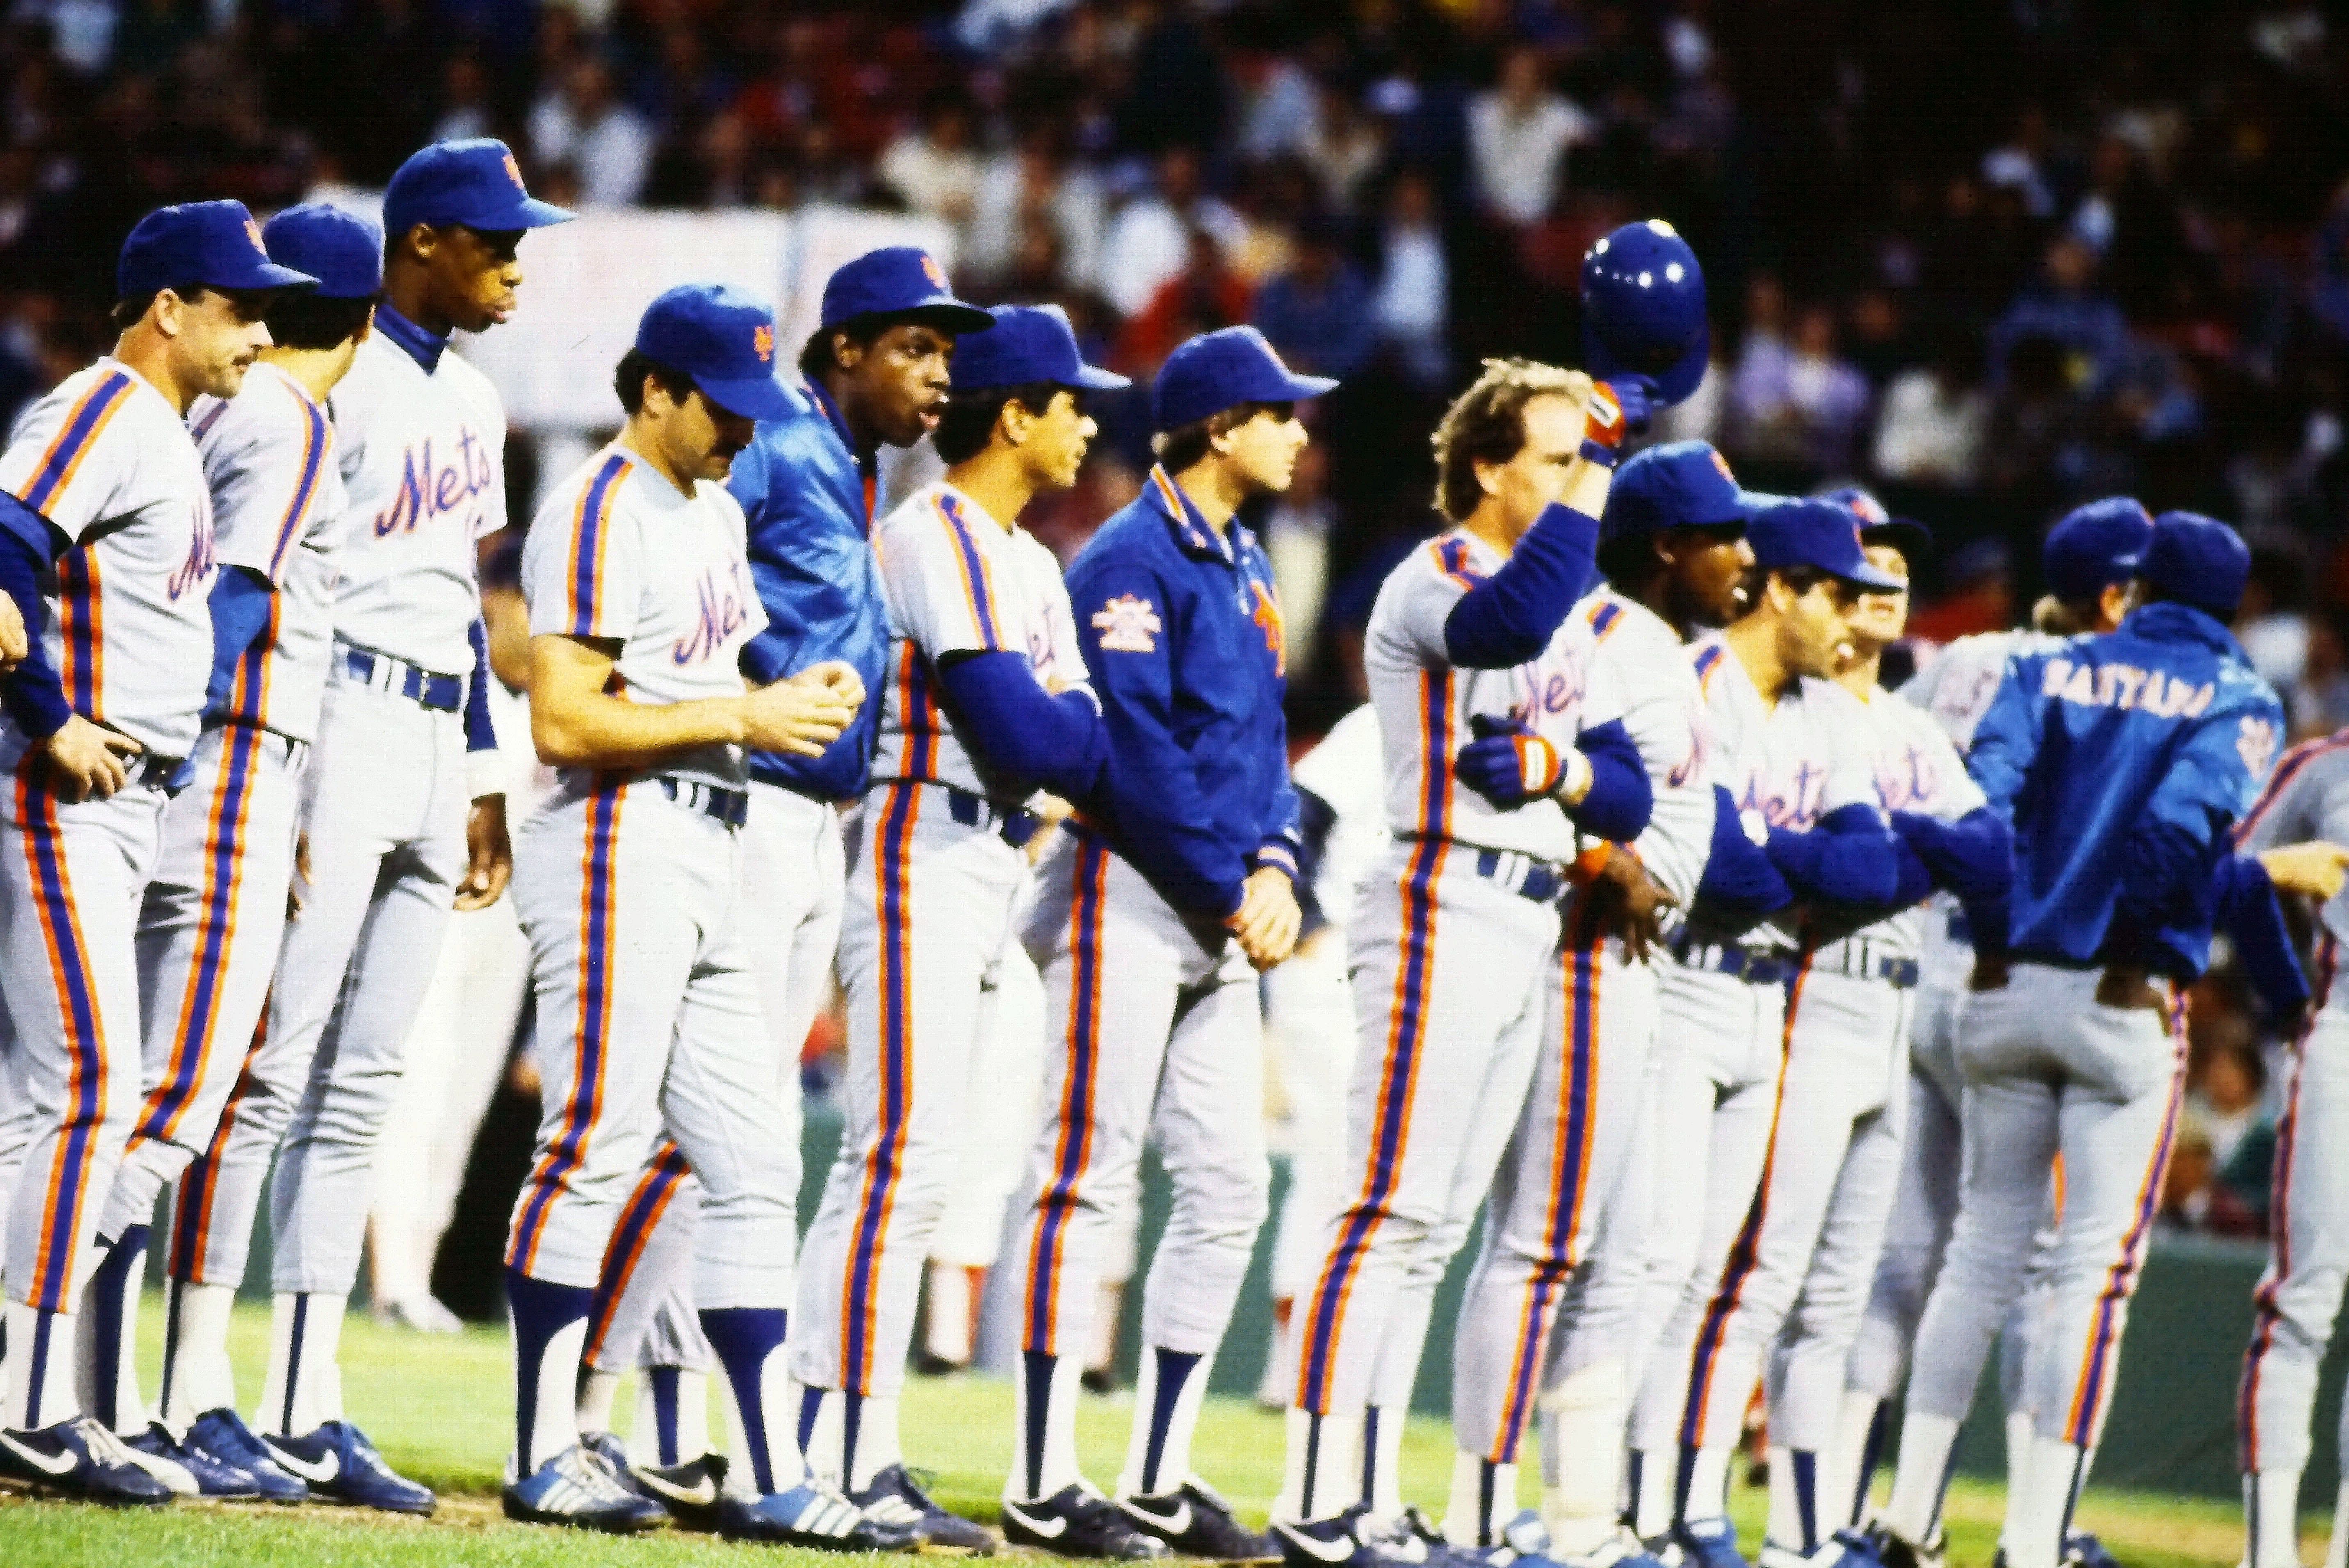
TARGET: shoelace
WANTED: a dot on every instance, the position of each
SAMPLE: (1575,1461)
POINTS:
(598,1477)
(104,1446)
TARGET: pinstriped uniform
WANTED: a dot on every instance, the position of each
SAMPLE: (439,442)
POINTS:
(1451,974)
(2299,1296)
(215,912)
(927,921)
(650,1039)
(107,461)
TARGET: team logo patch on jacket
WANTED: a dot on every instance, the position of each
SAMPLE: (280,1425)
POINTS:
(1127,625)
(2255,743)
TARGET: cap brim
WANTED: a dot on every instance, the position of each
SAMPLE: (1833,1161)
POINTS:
(1905,534)
(1880,581)
(759,397)
(530,212)
(1674,382)
(1090,378)
(1300,387)
(264,276)
(944,312)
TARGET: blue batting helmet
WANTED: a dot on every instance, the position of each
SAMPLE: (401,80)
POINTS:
(1643,309)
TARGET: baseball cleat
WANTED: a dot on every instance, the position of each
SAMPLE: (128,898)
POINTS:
(1524,1539)
(1352,1539)
(341,1465)
(615,1455)
(224,1434)
(2082,1550)
(896,1497)
(423,1314)
(1194,1522)
(689,1490)
(1077,1522)
(81,1458)
(812,1515)
(207,1474)
(1624,1549)
(1708,1543)
(1843,1549)
(1895,1550)
(579,1488)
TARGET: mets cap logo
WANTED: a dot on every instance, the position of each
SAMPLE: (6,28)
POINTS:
(1722,464)
(252,232)
(513,172)
(931,270)
(1870,507)
(762,342)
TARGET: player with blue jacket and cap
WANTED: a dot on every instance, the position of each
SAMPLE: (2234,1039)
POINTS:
(1156,906)
(2120,761)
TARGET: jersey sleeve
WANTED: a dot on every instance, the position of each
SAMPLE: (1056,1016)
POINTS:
(75,456)
(587,579)
(943,589)
(1422,605)
(2308,792)
(266,465)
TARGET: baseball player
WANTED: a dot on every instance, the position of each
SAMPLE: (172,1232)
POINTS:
(1309,1010)
(215,908)
(1473,636)
(1790,748)
(1156,907)
(106,548)
(640,601)
(874,375)
(395,831)
(2120,761)
(1789,1305)
(1673,550)
(986,700)
(2088,559)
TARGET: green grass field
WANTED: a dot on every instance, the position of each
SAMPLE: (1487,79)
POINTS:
(440,1407)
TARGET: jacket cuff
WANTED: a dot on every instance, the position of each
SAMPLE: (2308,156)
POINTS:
(485,773)
(1279,854)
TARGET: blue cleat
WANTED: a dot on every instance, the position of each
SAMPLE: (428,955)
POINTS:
(81,1458)
(896,1495)
(1524,1539)
(1622,1550)
(1351,1539)
(1707,1543)
(223,1435)
(578,1488)
(341,1465)
(222,1479)
(2082,1550)
(1843,1549)
(811,1515)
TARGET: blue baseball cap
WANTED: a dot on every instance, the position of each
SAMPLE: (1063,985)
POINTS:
(214,244)
(1219,370)
(342,249)
(1680,484)
(725,340)
(2092,547)
(1643,309)
(1877,526)
(1028,344)
(2197,561)
(475,182)
(899,280)
(1815,534)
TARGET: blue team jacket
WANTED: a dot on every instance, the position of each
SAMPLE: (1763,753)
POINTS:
(1182,636)
(2121,760)
(807,502)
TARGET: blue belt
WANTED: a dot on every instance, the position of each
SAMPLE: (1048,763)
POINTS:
(1755,968)
(1521,874)
(1858,958)
(442,693)
(1014,824)
(731,807)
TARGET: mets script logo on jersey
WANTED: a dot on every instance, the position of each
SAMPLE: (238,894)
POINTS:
(722,615)
(1128,626)
(1267,617)
(1798,808)
(1907,779)
(2255,743)
(427,488)
(1557,693)
(198,567)
(2125,687)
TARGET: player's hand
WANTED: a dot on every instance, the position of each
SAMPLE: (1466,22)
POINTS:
(2126,986)
(15,645)
(834,677)
(1990,972)
(488,854)
(89,757)
(1634,901)
(801,715)
(1268,919)
(301,882)
(1509,764)
(1636,404)
(2317,870)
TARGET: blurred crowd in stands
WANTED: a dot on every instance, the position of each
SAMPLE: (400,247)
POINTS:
(1993,257)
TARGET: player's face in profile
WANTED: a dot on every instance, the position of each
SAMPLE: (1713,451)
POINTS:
(902,381)
(1817,626)
(706,439)
(1880,618)
(219,335)
(1537,476)
(478,271)
(1710,568)
(1263,448)
(1058,438)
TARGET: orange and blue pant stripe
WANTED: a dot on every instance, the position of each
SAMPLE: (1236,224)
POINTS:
(1568,1192)
(1074,1151)
(591,1040)
(191,1210)
(1746,1254)
(640,1217)
(2092,1387)
(225,843)
(49,1288)
(2268,1314)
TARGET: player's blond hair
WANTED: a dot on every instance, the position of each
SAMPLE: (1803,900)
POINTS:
(1487,424)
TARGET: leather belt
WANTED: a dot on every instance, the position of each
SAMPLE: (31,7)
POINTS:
(1749,964)
(442,693)
(1528,877)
